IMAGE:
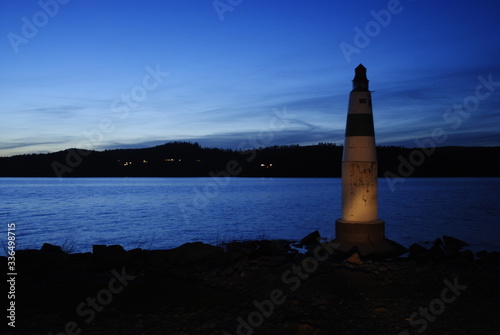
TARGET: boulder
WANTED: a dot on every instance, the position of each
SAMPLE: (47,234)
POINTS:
(493,257)
(53,255)
(108,252)
(238,250)
(453,244)
(418,251)
(436,251)
(354,259)
(467,254)
(273,248)
(482,254)
(438,243)
(305,327)
(196,252)
(34,260)
(116,249)
(47,247)
(311,239)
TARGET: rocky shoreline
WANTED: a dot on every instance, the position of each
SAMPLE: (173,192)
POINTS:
(257,287)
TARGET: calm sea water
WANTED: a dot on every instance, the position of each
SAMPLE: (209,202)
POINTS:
(167,212)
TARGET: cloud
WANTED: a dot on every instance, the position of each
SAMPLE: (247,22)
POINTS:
(306,134)
(30,145)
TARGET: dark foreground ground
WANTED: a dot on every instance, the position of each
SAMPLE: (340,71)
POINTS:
(255,287)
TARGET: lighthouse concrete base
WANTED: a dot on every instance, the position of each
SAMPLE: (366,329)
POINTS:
(360,231)
(367,238)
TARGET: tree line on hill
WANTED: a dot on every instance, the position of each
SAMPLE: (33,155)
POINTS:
(184,159)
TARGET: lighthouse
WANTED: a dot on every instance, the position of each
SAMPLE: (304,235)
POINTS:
(360,225)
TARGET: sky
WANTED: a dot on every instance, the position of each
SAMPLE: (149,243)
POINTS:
(244,73)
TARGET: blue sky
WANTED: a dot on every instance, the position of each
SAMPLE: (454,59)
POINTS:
(230,73)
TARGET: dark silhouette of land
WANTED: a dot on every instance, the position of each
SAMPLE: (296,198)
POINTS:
(184,159)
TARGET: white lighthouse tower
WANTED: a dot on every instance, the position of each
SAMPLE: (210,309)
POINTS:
(360,225)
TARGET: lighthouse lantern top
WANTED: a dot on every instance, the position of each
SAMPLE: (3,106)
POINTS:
(360,82)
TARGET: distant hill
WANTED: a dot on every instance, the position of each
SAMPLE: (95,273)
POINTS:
(184,159)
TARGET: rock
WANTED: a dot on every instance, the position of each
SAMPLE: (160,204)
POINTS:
(32,259)
(116,247)
(482,254)
(438,243)
(274,248)
(99,249)
(111,251)
(436,251)
(493,257)
(354,259)
(28,253)
(390,249)
(113,254)
(47,247)
(53,255)
(381,249)
(311,239)
(238,250)
(418,251)
(189,253)
(467,254)
(453,244)
(305,327)
(320,301)
(227,272)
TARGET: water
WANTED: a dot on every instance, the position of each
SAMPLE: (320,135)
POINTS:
(155,213)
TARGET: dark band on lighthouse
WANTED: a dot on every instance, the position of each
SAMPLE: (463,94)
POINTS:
(359,125)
